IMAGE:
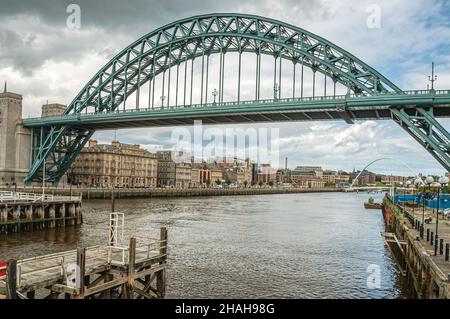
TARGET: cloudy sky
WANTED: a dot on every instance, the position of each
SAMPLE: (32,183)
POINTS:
(43,59)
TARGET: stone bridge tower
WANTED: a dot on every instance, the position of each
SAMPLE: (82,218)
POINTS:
(14,140)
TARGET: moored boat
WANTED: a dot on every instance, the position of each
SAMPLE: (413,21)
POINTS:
(372,206)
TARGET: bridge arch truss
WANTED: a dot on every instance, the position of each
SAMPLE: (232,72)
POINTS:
(55,146)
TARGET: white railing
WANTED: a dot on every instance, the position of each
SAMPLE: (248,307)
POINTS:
(56,264)
(119,255)
(6,196)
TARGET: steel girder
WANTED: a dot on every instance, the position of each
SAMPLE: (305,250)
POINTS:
(424,128)
(188,39)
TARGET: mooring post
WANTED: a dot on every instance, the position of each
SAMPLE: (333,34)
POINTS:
(436,243)
(11,275)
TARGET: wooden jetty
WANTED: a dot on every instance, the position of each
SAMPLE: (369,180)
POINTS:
(100,272)
(27,212)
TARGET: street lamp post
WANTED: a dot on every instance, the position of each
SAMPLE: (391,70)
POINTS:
(276,87)
(408,184)
(432,78)
(214,93)
(428,181)
(442,181)
(417,182)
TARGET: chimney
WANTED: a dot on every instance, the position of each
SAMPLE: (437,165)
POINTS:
(92,143)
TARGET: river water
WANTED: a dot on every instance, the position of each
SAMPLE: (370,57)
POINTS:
(322,245)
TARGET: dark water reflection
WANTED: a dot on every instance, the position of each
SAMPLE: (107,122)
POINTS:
(283,246)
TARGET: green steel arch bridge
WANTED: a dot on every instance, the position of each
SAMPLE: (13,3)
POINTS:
(122,93)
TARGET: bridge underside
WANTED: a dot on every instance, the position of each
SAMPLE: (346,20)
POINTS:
(150,120)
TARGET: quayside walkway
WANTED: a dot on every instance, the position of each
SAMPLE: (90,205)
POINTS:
(423,257)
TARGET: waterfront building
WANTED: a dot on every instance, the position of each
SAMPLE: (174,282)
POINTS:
(366,178)
(182,175)
(392,179)
(304,181)
(341,180)
(201,175)
(216,175)
(14,140)
(266,174)
(166,169)
(254,172)
(195,177)
(115,165)
(329,176)
(312,171)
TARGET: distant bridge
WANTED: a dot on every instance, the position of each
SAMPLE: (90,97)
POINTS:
(114,97)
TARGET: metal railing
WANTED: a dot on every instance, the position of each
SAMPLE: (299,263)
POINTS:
(8,196)
(55,264)
(119,255)
(251,102)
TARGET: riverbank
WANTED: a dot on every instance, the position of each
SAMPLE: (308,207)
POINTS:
(418,250)
(104,193)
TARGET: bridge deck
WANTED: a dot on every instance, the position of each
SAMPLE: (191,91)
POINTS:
(340,107)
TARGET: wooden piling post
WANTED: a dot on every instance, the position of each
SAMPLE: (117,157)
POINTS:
(81,264)
(11,275)
(161,275)
(163,241)
(131,263)
(113,202)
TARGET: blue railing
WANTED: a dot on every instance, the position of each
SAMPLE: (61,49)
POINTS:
(431,201)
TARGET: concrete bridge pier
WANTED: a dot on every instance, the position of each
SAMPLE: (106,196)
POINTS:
(29,217)
(16,218)
(3,220)
(29,213)
(78,212)
(72,214)
(62,214)
(51,216)
(41,216)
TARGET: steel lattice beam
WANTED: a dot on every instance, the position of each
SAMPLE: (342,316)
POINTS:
(425,129)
